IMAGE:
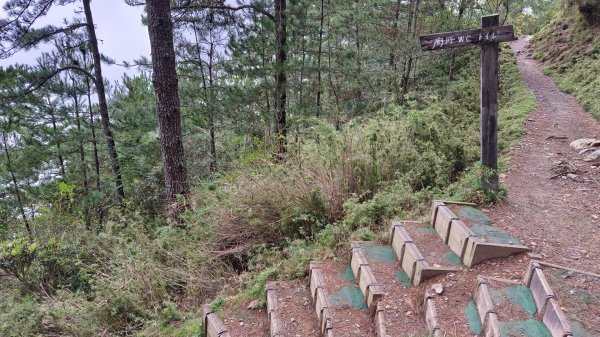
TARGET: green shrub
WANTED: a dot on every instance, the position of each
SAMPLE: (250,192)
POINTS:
(590,9)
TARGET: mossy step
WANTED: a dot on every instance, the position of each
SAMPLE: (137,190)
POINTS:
(472,235)
(290,311)
(402,309)
(508,309)
(341,307)
(418,248)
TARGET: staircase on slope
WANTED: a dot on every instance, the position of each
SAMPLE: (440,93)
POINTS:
(386,290)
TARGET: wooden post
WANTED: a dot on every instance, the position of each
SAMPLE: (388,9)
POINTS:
(488,37)
(489,108)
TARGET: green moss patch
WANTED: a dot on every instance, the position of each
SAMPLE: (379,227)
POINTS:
(474,215)
(402,278)
(495,235)
(381,253)
(349,296)
(527,328)
(453,258)
(347,274)
(473,318)
(521,295)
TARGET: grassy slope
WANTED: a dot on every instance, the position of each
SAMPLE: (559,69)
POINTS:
(570,49)
(367,220)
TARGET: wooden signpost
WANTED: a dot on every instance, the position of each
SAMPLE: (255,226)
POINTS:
(488,37)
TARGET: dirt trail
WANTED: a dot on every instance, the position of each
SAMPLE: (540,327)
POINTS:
(559,218)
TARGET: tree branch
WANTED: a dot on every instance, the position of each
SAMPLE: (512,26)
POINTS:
(225,7)
(35,86)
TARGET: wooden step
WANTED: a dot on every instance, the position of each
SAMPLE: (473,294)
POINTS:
(508,308)
(547,301)
(473,239)
(339,303)
(402,309)
(213,326)
(420,251)
(568,296)
(290,311)
(363,273)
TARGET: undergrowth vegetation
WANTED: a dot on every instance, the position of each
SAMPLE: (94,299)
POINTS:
(570,47)
(260,221)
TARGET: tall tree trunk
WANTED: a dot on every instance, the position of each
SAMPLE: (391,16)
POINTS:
(281,77)
(93,127)
(81,156)
(80,139)
(461,11)
(211,113)
(395,88)
(61,160)
(357,37)
(208,97)
(16,185)
(331,83)
(409,61)
(101,91)
(319,88)
(302,65)
(266,78)
(164,79)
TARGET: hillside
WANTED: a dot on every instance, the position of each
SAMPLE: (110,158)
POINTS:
(569,48)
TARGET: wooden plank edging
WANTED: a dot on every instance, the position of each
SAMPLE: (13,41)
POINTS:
(463,241)
(320,299)
(363,273)
(411,259)
(275,323)
(380,321)
(213,326)
(486,309)
(549,312)
(431,317)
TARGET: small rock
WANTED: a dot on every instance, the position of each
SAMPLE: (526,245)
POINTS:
(241,323)
(293,319)
(408,313)
(563,167)
(572,176)
(535,256)
(253,305)
(438,288)
(592,156)
(584,143)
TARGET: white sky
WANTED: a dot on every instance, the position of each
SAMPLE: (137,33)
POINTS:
(119,28)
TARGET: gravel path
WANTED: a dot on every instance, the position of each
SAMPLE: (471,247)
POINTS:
(559,218)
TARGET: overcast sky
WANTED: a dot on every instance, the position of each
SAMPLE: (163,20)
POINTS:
(119,28)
